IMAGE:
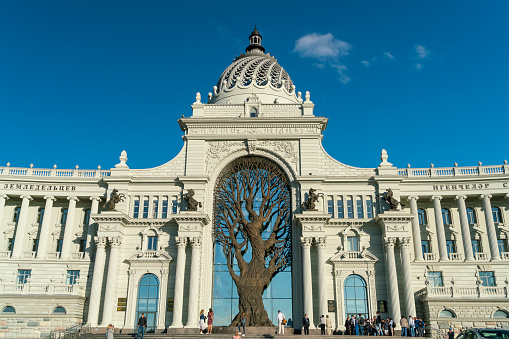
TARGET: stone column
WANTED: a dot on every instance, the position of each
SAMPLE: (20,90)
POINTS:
(3,198)
(416,229)
(42,249)
(439,223)
(178,297)
(392,277)
(159,207)
(97,281)
(94,209)
(111,281)
(322,278)
(490,226)
(307,282)
(194,284)
(407,276)
(19,238)
(465,228)
(69,228)
(163,290)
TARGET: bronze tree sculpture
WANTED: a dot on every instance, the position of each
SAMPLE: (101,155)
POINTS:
(253,225)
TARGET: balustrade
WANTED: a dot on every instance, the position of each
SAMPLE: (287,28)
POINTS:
(430,256)
(53,255)
(456,256)
(50,289)
(504,255)
(481,256)
(29,254)
(77,255)
(5,254)
(454,171)
(62,173)
(466,292)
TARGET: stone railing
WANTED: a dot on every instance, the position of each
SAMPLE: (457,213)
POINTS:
(482,256)
(430,256)
(455,256)
(55,173)
(77,255)
(30,288)
(454,171)
(504,255)
(466,292)
(29,254)
(53,255)
(5,254)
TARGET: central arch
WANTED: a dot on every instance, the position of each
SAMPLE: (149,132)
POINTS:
(252,225)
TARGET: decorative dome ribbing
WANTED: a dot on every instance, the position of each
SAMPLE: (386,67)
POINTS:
(254,73)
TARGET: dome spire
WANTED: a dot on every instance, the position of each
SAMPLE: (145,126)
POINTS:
(255,42)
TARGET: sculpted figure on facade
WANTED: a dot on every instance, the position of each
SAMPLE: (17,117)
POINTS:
(388,196)
(115,198)
(192,203)
(309,204)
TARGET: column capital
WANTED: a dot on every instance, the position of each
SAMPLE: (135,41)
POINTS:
(482,196)
(436,197)
(195,242)
(390,242)
(458,197)
(50,197)
(321,242)
(5,196)
(73,198)
(405,242)
(100,241)
(507,195)
(26,196)
(181,241)
(115,241)
(305,242)
(95,198)
(165,273)
(412,197)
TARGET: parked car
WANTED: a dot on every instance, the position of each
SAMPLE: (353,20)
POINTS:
(481,333)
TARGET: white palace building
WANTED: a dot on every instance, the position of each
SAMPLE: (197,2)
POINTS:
(64,259)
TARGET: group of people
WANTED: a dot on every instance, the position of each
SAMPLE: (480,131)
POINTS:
(377,326)
(209,319)
(325,325)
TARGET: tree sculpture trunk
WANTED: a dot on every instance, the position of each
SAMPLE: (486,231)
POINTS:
(252,216)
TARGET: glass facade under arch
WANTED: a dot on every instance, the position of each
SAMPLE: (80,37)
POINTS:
(148,300)
(356,296)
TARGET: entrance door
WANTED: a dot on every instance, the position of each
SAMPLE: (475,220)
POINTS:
(148,300)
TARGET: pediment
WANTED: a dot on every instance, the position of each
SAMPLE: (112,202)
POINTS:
(150,257)
(350,256)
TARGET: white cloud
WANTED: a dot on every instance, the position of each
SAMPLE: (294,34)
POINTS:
(318,46)
(422,52)
(418,66)
(319,65)
(365,63)
(341,71)
(389,55)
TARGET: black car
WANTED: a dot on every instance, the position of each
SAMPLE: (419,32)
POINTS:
(481,333)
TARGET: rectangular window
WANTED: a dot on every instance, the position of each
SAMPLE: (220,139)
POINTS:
(40,215)
(155,207)
(73,277)
(174,205)
(83,245)
(152,243)
(165,208)
(502,245)
(435,279)
(341,210)
(446,216)
(360,208)
(330,206)
(352,244)
(63,218)
(496,215)
(369,207)
(471,215)
(86,218)
(15,217)
(476,246)
(422,216)
(10,244)
(35,245)
(451,246)
(24,276)
(425,246)
(145,208)
(59,245)
(349,206)
(487,278)
(136,211)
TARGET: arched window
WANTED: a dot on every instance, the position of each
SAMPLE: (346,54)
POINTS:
(421,214)
(356,297)
(446,216)
(497,215)
(8,309)
(148,300)
(352,243)
(59,310)
(500,314)
(471,217)
(447,314)
(253,112)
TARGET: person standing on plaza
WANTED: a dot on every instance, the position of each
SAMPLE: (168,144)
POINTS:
(450,334)
(411,324)
(202,321)
(328,324)
(210,321)
(347,325)
(306,323)
(280,324)
(142,326)
(404,326)
(109,332)
(322,325)
(356,325)
(243,323)
(361,325)
(378,323)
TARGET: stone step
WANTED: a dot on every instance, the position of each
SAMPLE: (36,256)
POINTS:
(196,336)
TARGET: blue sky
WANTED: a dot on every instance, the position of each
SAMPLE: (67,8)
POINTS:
(80,81)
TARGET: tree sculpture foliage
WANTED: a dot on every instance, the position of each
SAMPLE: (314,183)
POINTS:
(253,225)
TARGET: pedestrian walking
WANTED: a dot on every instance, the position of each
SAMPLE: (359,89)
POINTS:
(243,323)
(142,326)
(328,325)
(306,323)
(281,321)
(404,326)
(361,325)
(378,323)
(202,321)
(322,325)
(210,321)
(109,332)
(385,326)
(411,324)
